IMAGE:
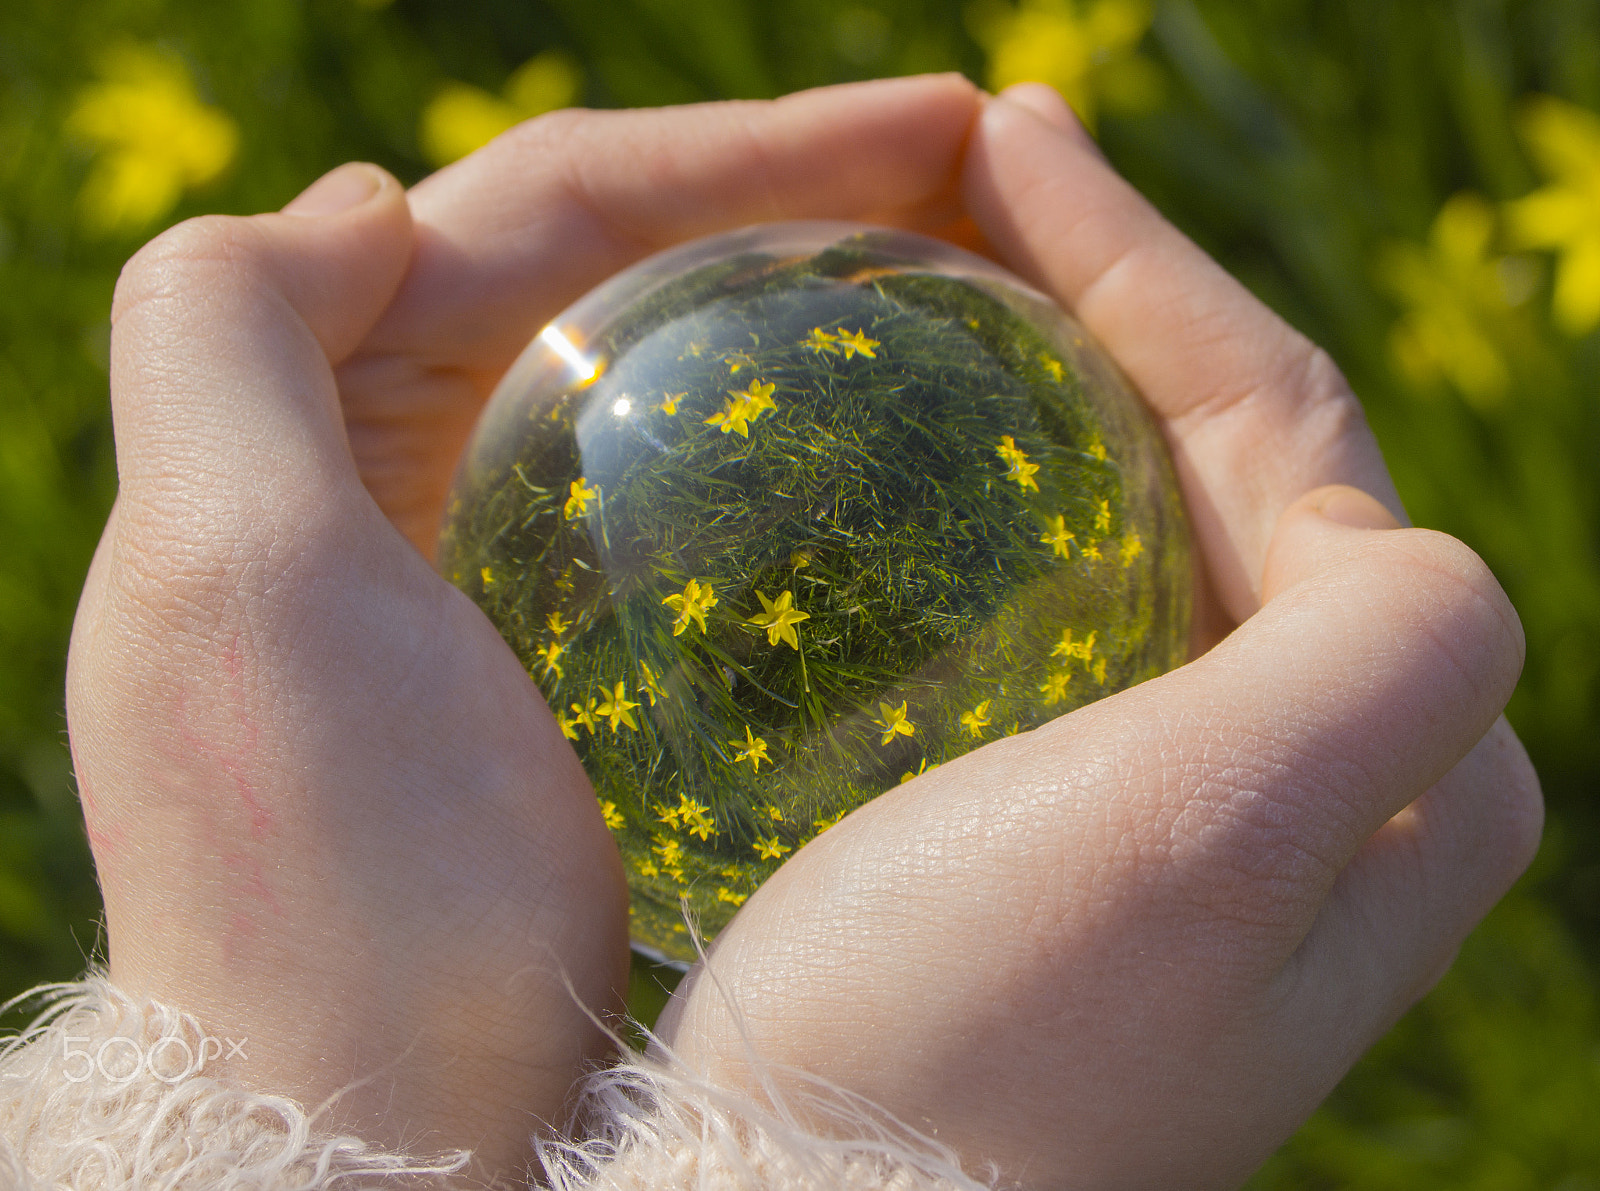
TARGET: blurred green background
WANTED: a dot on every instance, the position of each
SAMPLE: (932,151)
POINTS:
(1416,185)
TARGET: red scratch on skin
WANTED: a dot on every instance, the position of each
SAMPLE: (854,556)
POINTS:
(253,880)
(233,762)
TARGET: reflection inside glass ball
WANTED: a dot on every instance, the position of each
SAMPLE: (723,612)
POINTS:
(783,518)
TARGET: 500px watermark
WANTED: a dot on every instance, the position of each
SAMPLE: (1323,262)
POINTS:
(120,1059)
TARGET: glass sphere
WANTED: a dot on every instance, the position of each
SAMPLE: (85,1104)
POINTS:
(782,518)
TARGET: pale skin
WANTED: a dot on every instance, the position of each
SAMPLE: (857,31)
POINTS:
(332,814)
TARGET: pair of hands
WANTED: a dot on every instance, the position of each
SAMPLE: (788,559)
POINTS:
(332,814)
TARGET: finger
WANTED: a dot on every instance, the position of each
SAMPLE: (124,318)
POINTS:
(511,235)
(1401,909)
(1381,659)
(1255,413)
(1046,102)
(223,330)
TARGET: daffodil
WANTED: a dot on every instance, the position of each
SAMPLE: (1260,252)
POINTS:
(667,816)
(696,817)
(649,684)
(757,398)
(1454,303)
(769,848)
(752,748)
(567,724)
(976,720)
(1564,216)
(1085,49)
(1054,688)
(612,815)
(692,605)
(578,498)
(153,139)
(1017,466)
(856,341)
(821,341)
(775,814)
(1058,537)
(618,708)
(893,721)
(734,416)
(460,118)
(779,619)
(1091,551)
(1068,648)
(558,623)
(549,655)
(586,716)
(669,403)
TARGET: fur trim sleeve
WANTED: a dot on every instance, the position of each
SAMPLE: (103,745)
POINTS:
(102,1093)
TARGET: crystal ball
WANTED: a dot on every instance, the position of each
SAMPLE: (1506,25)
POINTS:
(780,519)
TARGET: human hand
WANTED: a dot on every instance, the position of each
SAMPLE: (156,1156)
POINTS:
(331,814)
(1137,946)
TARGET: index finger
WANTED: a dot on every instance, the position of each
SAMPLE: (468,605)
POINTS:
(511,235)
(1255,413)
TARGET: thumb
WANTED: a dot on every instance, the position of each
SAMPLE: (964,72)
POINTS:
(225,330)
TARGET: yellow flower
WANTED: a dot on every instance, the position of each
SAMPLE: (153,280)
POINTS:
(613,816)
(586,716)
(1059,538)
(1099,670)
(738,360)
(618,708)
(580,494)
(893,722)
(856,341)
(1086,49)
(918,772)
(769,848)
(669,403)
(1052,366)
(775,814)
(558,623)
(460,118)
(1054,688)
(1132,547)
(1454,302)
(647,868)
(696,817)
(487,576)
(752,748)
(650,685)
(821,341)
(152,136)
(549,654)
(1097,449)
(734,415)
(724,894)
(567,724)
(1091,551)
(669,849)
(1102,516)
(779,619)
(976,720)
(693,605)
(1068,648)
(823,824)
(757,398)
(1565,215)
(1018,467)
(669,817)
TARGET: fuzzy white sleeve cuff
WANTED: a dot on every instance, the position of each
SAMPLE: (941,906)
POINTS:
(105,1094)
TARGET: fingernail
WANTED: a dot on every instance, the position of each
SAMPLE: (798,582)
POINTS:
(1353,507)
(339,189)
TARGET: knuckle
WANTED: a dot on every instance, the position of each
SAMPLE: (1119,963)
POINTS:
(184,259)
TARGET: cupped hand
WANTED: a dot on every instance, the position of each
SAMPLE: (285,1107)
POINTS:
(330,812)
(1137,946)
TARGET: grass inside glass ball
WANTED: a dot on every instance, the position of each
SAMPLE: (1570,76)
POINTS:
(780,519)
